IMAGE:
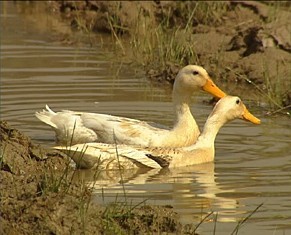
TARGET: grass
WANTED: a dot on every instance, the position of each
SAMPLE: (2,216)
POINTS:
(169,40)
(274,91)
(153,45)
(56,182)
(244,220)
(53,181)
(202,221)
(274,9)
(116,213)
(193,229)
(208,12)
(113,27)
(158,48)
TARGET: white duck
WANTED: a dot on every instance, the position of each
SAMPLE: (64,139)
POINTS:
(94,127)
(111,156)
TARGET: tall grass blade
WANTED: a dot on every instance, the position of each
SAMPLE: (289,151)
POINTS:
(235,231)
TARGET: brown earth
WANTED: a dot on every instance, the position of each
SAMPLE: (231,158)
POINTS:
(243,42)
(32,202)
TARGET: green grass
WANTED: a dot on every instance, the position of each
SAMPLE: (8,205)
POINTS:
(57,182)
(117,213)
(202,12)
(244,220)
(170,40)
(155,44)
(273,91)
(160,47)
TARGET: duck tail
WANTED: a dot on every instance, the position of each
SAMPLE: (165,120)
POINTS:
(46,116)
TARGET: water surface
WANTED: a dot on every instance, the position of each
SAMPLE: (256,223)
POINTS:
(252,164)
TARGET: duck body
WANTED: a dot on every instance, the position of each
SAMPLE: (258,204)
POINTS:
(75,127)
(114,156)
(80,127)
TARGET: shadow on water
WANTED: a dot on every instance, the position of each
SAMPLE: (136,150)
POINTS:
(252,164)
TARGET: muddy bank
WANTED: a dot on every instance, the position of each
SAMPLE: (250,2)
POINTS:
(246,43)
(38,196)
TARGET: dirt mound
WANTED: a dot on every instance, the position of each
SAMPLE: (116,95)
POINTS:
(38,196)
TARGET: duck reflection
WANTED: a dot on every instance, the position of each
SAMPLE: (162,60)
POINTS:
(193,191)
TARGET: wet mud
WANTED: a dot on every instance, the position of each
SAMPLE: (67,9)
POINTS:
(39,196)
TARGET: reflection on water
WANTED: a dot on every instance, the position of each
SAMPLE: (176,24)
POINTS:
(252,165)
(193,190)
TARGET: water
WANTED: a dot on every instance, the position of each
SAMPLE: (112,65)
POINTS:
(252,164)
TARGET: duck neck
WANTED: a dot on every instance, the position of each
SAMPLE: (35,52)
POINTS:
(184,118)
(213,124)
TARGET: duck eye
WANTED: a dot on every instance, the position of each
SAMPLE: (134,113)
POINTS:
(237,101)
(195,72)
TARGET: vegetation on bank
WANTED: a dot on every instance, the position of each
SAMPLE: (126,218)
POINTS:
(165,36)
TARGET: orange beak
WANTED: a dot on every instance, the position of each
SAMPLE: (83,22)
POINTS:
(249,117)
(211,88)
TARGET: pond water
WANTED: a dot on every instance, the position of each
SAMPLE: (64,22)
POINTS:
(252,164)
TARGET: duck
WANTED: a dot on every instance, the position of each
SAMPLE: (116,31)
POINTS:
(82,127)
(114,156)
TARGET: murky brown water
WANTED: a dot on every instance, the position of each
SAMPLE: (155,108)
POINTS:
(252,165)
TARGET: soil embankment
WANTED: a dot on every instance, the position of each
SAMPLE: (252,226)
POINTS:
(238,42)
(38,196)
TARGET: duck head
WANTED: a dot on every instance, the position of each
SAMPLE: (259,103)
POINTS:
(194,77)
(231,107)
